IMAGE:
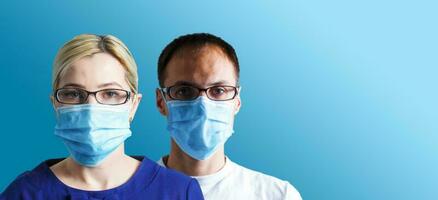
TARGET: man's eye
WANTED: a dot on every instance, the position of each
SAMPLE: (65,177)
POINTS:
(184,92)
(218,91)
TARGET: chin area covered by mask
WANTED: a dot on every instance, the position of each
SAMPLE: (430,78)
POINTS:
(92,131)
(199,127)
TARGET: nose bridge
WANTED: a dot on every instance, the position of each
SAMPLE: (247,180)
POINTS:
(92,98)
(203,92)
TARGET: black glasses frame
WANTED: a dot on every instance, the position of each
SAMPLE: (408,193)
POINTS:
(128,96)
(166,90)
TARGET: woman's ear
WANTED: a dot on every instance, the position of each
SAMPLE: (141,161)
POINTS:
(53,101)
(135,102)
(160,102)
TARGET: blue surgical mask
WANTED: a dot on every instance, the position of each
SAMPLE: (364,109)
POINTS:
(199,127)
(92,131)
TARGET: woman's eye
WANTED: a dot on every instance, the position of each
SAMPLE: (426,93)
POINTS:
(112,94)
(71,94)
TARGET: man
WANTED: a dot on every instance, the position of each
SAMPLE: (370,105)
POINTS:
(199,93)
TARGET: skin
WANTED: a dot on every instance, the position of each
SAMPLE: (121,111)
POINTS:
(202,68)
(96,72)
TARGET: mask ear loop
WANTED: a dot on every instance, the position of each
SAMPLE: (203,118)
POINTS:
(238,93)
(162,94)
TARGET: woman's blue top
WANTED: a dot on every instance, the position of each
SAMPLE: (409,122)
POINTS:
(150,181)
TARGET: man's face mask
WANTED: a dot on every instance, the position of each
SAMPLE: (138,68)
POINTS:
(201,125)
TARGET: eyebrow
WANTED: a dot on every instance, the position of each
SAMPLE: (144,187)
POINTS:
(224,83)
(109,84)
(74,85)
(99,86)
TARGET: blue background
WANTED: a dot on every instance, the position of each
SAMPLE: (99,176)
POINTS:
(339,97)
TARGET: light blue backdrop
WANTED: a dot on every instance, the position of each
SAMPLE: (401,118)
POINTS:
(339,97)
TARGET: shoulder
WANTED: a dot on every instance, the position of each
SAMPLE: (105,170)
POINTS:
(27,184)
(186,183)
(266,185)
(174,177)
(175,183)
(163,174)
(171,175)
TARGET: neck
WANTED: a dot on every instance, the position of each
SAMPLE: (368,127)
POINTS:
(180,161)
(113,171)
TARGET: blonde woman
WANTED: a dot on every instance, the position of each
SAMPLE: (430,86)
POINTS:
(95,96)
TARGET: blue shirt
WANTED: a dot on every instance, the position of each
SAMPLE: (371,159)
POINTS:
(150,181)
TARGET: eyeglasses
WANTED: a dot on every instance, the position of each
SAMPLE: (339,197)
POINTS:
(187,93)
(80,96)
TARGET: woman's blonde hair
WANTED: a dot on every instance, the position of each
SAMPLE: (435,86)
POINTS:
(89,44)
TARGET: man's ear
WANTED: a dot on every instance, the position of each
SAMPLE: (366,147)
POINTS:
(160,102)
(238,104)
(135,102)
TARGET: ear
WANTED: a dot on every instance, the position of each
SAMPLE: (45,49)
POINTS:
(135,102)
(160,103)
(54,104)
(238,103)
(53,101)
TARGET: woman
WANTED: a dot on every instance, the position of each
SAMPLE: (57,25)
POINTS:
(95,96)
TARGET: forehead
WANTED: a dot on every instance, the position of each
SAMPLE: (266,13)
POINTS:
(202,67)
(92,71)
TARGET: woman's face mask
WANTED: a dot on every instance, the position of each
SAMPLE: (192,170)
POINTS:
(93,128)
(92,131)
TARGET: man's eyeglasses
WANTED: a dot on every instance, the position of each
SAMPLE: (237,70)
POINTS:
(187,93)
(80,96)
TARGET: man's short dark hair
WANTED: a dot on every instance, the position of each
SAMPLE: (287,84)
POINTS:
(194,41)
